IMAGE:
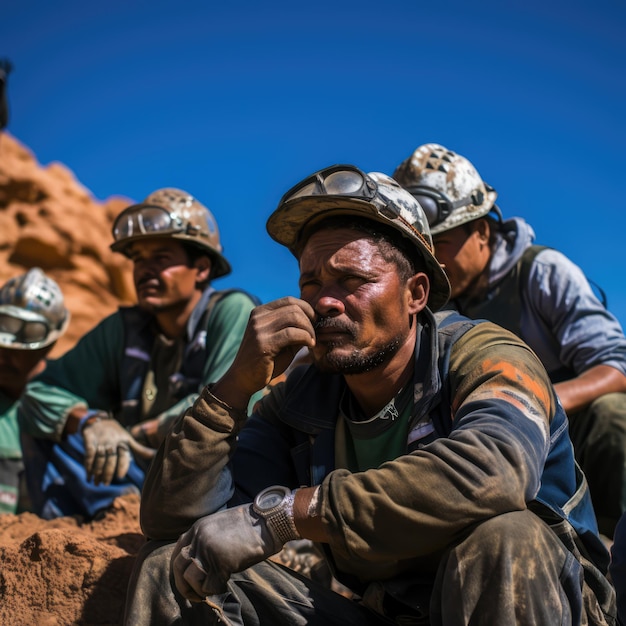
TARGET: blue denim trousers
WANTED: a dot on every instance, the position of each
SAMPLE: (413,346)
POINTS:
(57,481)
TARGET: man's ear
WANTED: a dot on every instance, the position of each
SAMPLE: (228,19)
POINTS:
(482,227)
(417,289)
(203,265)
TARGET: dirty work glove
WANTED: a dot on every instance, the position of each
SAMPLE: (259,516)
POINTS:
(108,447)
(219,545)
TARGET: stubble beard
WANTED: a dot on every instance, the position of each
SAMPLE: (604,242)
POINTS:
(361,360)
(358,362)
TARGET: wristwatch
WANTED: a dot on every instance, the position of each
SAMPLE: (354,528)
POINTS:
(275,505)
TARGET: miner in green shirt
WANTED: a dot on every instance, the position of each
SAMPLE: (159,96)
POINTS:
(32,317)
(94,419)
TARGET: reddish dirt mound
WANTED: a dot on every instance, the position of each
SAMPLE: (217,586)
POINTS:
(63,572)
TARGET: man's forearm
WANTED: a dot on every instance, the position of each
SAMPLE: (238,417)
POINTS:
(306,514)
(580,392)
(74,418)
(188,478)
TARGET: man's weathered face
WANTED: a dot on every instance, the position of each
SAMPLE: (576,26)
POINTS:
(465,253)
(163,275)
(361,306)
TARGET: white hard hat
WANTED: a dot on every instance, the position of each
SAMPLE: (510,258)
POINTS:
(32,311)
(447,185)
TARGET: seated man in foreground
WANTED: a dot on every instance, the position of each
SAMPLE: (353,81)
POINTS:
(425,453)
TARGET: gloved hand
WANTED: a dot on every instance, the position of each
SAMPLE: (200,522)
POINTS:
(108,447)
(217,546)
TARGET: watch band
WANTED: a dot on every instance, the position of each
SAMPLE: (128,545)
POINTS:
(281,521)
(279,518)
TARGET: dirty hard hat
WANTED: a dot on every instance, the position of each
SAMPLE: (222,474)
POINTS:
(346,190)
(32,311)
(447,186)
(171,213)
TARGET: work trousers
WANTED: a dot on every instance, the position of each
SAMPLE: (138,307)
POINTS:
(618,567)
(599,437)
(511,569)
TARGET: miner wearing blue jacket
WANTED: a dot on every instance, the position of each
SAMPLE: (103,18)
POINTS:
(426,454)
(497,273)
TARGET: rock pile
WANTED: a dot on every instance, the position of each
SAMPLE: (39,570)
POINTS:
(48,219)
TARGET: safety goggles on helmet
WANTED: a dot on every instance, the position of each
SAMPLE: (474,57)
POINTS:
(146,220)
(32,311)
(437,206)
(171,213)
(345,182)
(24,331)
(339,180)
(345,190)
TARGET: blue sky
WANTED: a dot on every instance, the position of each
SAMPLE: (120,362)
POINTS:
(235,102)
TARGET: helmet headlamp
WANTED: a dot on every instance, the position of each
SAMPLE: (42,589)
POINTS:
(437,206)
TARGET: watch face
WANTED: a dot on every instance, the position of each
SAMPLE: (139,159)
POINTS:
(271,497)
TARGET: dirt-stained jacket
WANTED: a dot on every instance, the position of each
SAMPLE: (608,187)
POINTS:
(487,436)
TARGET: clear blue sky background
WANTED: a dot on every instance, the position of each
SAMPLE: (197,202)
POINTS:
(237,101)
